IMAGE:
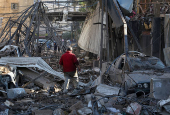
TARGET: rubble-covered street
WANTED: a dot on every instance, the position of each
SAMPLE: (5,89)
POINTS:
(84,57)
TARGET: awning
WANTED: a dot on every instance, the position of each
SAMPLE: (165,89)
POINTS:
(90,36)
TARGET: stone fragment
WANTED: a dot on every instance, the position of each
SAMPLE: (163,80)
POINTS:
(58,112)
(104,90)
(84,111)
(111,102)
(76,106)
(134,109)
(8,103)
(73,112)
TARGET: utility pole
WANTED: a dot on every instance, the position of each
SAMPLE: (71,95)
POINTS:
(38,25)
(71,33)
(107,33)
(101,42)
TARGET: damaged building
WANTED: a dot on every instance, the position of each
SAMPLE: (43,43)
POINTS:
(122,47)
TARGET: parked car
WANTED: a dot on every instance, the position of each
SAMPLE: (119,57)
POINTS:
(135,73)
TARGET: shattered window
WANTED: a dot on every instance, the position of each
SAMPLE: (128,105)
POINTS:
(147,63)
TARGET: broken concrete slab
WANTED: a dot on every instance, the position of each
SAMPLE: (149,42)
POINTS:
(41,82)
(104,90)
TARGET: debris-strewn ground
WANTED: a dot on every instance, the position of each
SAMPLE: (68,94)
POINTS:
(103,99)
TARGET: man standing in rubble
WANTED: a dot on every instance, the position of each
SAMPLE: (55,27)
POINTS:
(70,65)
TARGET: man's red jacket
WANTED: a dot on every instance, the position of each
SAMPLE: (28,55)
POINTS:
(69,62)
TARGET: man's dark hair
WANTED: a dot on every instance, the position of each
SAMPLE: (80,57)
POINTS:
(69,48)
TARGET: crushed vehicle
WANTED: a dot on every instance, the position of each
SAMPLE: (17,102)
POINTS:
(10,77)
(10,50)
(136,72)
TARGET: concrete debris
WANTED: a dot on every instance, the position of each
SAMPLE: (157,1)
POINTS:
(77,106)
(74,112)
(113,110)
(134,83)
(42,112)
(16,93)
(58,112)
(90,104)
(4,112)
(84,111)
(104,90)
(8,103)
(43,95)
(134,109)
(164,102)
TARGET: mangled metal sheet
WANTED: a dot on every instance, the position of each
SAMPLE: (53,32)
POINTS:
(30,62)
(126,5)
(113,8)
(159,88)
(10,48)
(167,30)
(167,39)
(91,34)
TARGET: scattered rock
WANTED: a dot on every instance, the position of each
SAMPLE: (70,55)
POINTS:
(111,102)
(58,112)
(42,112)
(113,110)
(90,104)
(73,112)
(76,106)
(87,97)
(8,103)
(104,90)
(84,111)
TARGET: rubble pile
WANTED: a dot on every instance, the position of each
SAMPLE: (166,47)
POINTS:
(106,99)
